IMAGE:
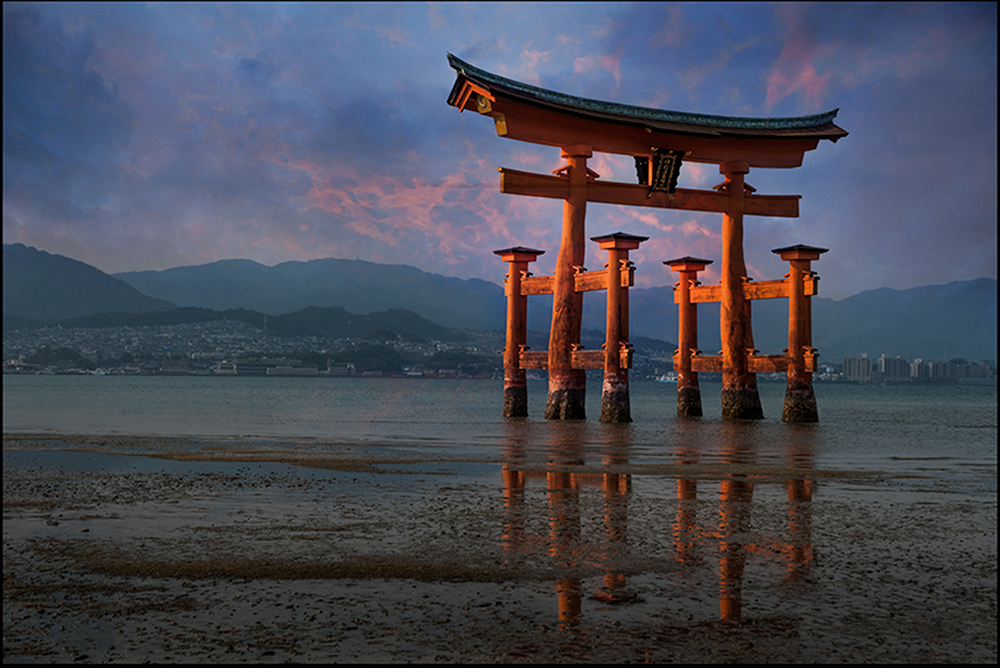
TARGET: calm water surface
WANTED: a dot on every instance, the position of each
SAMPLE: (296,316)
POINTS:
(861,427)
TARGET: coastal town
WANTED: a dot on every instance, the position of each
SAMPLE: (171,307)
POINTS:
(229,347)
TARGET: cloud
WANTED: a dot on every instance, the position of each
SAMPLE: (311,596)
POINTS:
(799,78)
(451,219)
(437,19)
(610,63)
(694,75)
(676,31)
(64,124)
(795,71)
(152,135)
(530,60)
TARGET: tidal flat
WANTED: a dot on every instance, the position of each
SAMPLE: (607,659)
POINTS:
(151,549)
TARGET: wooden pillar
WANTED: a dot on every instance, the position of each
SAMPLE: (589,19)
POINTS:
(688,392)
(800,400)
(567,386)
(740,400)
(515,386)
(615,406)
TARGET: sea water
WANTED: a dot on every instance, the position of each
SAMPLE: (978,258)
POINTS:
(861,426)
(870,534)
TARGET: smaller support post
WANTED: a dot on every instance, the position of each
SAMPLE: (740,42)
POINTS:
(515,386)
(688,392)
(615,406)
(800,401)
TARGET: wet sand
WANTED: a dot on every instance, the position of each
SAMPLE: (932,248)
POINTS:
(123,549)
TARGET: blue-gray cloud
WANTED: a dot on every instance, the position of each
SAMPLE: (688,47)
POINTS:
(64,125)
(149,135)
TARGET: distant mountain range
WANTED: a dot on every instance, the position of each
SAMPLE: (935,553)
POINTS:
(941,322)
(45,287)
(934,322)
(355,285)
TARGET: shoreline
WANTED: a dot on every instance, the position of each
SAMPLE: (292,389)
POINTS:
(141,558)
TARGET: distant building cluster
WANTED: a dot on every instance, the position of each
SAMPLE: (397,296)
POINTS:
(265,367)
(283,366)
(229,348)
(886,369)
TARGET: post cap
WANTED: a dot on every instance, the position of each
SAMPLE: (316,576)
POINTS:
(800,252)
(519,254)
(688,263)
(619,241)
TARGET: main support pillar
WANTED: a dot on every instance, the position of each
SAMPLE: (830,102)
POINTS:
(515,386)
(615,405)
(688,392)
(740,400)
(800,401)
(567,386)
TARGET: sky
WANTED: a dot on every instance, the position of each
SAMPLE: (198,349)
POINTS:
(149,136)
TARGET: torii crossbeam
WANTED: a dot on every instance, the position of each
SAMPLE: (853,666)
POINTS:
(659,140)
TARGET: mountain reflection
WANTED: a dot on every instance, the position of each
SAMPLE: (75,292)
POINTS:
(712,528)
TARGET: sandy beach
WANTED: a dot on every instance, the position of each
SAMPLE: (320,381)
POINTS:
(121,549)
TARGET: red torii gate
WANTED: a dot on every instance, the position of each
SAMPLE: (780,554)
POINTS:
(659,140)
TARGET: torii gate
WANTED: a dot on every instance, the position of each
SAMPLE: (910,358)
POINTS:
(659,141)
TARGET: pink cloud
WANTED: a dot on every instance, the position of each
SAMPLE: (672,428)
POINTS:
(526,70)
(613,167)
(801,78)
(650,270)
(796,70)
(677,31)
(694,174)
(611,63)
(659,99)
(456,216)
(532,58)
(526,158)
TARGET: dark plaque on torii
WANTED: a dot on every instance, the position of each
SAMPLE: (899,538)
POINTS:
(659,172)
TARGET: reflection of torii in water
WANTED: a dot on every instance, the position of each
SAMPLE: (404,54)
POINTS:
(571,551)
(733,528)
(660,141)
(565,543)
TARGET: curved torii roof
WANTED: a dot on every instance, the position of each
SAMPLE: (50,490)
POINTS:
(533,114)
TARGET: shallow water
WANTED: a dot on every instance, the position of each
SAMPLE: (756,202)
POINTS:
(882,427)
(868,536)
